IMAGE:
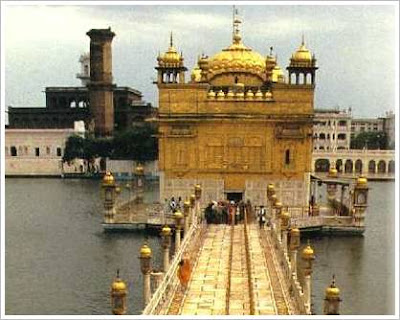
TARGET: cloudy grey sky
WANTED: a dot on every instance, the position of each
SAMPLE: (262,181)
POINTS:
(354,45)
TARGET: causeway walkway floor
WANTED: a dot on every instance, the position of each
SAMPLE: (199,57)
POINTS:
(220,279)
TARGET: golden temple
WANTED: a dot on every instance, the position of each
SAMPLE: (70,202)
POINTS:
(237,124)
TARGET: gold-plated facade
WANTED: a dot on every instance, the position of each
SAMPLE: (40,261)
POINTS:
(237,121)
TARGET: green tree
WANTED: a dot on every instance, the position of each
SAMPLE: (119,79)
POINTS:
(74,148)
(136,143)
(369,140)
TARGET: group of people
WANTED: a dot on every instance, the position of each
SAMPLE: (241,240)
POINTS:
(226,212)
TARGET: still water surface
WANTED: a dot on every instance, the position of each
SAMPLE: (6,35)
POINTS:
(59,260)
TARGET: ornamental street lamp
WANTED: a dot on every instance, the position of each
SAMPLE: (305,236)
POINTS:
(360,200)
(178,216)
(270,190)
(285,217)
(294,246)
(145,266)
(118,294)
(332,186)
(139,172)
(186,209)
(192,207)
(332,299)
(197,193)
(166,243)
(109,195)
(308,257)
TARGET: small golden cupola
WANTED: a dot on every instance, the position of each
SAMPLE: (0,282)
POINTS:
(277,73)
(170,66)
(302,66)
(196,72)
(270,63)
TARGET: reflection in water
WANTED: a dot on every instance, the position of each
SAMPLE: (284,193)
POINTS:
(59,260)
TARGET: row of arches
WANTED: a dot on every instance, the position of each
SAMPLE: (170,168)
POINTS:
(323,136)
(301,77)
(358,166)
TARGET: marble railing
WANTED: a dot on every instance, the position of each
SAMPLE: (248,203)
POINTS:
(190,247)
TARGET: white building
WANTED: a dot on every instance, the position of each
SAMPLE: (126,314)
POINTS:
(332,130)
(39,152)
(366,125)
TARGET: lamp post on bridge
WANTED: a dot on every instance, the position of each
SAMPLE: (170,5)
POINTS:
(178,216)
(109,194)
(294,246)
(139,171)
(197,193)
(360,200)
(166,243)
(332,299)
(285,217)
(277,206)
(308,257)
(192,205)
(145,266)
(186,209)
(118,294)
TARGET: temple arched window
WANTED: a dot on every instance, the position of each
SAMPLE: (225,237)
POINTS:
(287,156)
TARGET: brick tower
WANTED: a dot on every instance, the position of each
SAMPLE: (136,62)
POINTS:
(100,85)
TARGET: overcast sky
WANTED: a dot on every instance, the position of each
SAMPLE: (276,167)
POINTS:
(354,45)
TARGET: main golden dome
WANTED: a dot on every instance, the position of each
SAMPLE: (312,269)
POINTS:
(237,57)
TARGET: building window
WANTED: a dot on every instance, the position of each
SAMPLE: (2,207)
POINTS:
(13,151)
(47,150)
(58,152)
(287,157)
(322,136)
(37,152)
(342,136)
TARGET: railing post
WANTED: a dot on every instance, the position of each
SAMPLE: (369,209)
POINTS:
(145,266)
(308,257)
(109,195)
(178,220)
(284,227)
(277,205)
(192,208)
(332,299)
(197,193)
(294,246)
(118,294)
(166,243)
(186,209)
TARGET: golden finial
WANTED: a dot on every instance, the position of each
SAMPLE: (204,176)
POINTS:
(236,22)
(302,39)
(171,42)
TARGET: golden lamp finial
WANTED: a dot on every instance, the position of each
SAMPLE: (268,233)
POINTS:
(236,22)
